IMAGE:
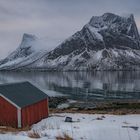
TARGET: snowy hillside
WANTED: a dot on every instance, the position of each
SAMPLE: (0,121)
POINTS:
(107,42)
(83,127)
(28,51)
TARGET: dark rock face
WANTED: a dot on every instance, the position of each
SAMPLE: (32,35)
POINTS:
(107,42)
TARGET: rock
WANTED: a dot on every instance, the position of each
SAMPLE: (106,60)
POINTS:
(68,119)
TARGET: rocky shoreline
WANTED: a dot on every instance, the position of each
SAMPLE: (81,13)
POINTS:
(102,107)
(55,101)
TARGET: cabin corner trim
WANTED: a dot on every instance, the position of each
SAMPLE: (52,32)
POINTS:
(10,101)
(19,118)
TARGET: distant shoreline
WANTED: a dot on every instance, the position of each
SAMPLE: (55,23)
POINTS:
(104,107)
(70,70)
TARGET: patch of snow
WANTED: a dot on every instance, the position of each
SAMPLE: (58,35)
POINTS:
(22,61)
(84,126)
(115,52)
(66,105)
(14,137)
(95,57)
(130,53)
(62,106)
(95,32)
(13,62)
(98,55)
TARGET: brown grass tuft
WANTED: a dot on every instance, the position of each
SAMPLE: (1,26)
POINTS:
(5,129)
(34,134)
(64,137)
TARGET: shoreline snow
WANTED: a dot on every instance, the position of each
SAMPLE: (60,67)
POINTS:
(83,127)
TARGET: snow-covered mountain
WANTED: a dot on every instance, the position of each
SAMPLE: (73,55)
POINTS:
(107,42)
(28,51)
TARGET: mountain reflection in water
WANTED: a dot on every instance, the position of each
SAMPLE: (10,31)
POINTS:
(82,85)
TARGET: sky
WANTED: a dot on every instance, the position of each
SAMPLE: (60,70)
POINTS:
(53,20)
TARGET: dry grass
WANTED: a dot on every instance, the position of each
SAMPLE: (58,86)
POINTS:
(121,111)
(116,108)
(64,137)
(5,129)
(34,134)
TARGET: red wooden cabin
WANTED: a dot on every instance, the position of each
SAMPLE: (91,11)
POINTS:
(22,104)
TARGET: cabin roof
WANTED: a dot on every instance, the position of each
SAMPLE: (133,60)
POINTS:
(22,94)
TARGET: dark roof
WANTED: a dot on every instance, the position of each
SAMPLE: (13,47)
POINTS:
(22,94)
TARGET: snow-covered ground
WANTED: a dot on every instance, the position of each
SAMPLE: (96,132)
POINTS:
(84,127)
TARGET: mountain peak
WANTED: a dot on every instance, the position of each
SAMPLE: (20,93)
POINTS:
(27,40)
(112,15)
(131,16)
(29,37)
(105,15)
(116,23)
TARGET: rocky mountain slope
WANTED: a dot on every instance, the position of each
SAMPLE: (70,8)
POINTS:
(28,51)
(107,42)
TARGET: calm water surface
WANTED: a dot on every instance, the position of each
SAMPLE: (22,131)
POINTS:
(82,85)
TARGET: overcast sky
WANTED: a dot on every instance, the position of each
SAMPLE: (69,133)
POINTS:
(53,20)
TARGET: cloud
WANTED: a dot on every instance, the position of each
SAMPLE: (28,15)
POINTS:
(53,20)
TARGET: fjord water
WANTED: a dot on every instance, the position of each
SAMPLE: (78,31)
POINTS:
(105,85)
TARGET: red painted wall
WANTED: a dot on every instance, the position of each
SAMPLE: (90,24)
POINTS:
(34,113)
(8,113)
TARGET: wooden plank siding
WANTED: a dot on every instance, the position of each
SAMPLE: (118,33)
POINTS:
(34,113)
(8,113)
